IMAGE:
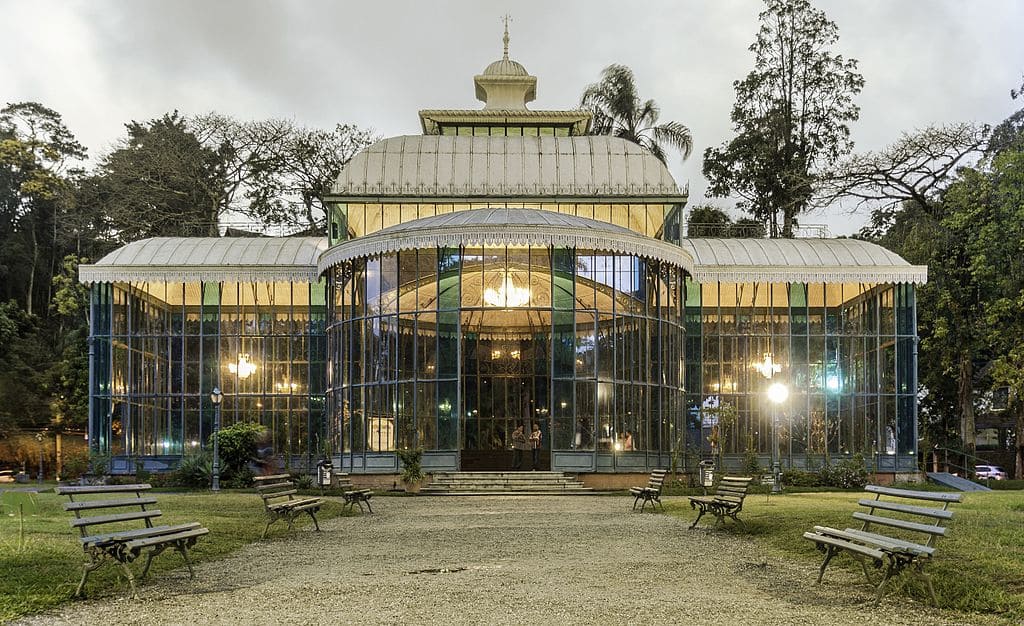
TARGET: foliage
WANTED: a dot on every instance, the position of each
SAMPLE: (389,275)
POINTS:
(75,464)
(412,469)
(914,168)
(304,481)
(618,111)
(195,470)
(793,477)
(237,449)
(711,221)
(846,474)
(724,416)
(790,117)
(751,462)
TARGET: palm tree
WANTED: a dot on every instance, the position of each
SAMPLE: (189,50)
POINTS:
(618,111)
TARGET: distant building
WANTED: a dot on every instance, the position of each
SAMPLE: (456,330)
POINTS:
(505,268)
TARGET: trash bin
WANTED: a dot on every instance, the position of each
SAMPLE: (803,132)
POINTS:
(707,474)
(323,473)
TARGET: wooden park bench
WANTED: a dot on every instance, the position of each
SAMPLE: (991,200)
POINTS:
(278,494)
(650,493)
(885,539)
(358,496)
(727,501)
(109,528)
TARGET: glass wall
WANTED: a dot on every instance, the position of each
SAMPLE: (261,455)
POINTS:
(161,348)
(451,348)
(353,220)
(845,353)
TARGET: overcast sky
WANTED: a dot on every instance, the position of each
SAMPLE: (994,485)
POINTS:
(101,63)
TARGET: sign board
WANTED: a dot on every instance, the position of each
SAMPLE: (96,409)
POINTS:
(768,479)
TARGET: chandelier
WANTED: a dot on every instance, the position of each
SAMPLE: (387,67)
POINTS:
(507,294)
(243,367)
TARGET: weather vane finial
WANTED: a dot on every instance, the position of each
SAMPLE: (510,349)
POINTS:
(506,19)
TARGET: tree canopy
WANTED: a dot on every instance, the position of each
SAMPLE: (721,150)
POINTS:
(619,111)
(791,117)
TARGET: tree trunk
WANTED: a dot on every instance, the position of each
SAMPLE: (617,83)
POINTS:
(965,400)
(1019,439)
(32,270)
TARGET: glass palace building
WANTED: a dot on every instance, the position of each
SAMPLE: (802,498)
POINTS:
(505,268)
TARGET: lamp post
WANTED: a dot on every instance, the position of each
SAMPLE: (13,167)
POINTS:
(39,476)
(216,397)
(777,394)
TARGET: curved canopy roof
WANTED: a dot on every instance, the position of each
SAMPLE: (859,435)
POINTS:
(189,259)
(501,227)
(446,166)
(799,260)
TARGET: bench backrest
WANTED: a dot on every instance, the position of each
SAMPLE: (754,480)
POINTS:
(109,508)
(907,512)
(657,480)
(275,488)
(732,489)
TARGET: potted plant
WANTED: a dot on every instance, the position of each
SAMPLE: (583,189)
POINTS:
(412,470)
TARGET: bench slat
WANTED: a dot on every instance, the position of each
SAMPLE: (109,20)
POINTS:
(907,508)
(154,532)
(139,544)
(119,517)
(102,489)
(124,534)
(828,539)
(107,504)
(892,543)
(898,523)
(268,487)
(279,494)
(277,477)
(934,496)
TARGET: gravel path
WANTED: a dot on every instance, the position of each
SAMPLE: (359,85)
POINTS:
(502,560)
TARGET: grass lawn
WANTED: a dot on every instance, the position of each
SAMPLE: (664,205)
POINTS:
(42,566)
(978,567)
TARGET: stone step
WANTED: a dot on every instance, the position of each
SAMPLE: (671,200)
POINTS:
(500,483)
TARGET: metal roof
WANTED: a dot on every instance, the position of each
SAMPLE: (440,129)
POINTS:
(190,259)
(444,165)
(799,260)
(506,227)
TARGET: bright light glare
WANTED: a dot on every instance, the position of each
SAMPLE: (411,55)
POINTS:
(778,393)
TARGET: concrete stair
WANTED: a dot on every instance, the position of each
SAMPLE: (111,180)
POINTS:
(955,482)
(504,483)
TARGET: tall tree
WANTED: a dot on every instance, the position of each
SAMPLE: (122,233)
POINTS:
(156,182)
(790,117)
(308,162)
(39,159)
(619,111)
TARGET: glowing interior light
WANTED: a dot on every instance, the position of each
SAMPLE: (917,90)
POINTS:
(507,294)
(768,367)
(832,382)
(243,367)
(778,393)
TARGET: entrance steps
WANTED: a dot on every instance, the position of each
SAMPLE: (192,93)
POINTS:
(504,483)
(955,482)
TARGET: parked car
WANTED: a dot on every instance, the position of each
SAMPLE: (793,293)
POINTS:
(990,471)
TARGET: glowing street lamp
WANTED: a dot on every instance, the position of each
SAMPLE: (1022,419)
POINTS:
(216,397)
(777,394)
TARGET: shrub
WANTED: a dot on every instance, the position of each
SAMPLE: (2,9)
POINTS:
(304,481)
(800,478)
(412,470)
(237,449)
(195,470)
(75,464)
(849,473)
